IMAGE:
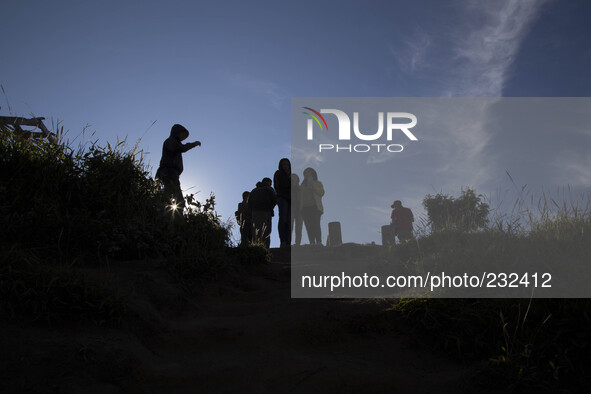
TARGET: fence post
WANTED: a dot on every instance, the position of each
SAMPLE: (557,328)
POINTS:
(388,236)
(334,234)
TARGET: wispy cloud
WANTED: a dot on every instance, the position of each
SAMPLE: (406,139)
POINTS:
(274,93)
(384,156)
(376,214)
(483,51)
(305,157)
(487,48)
(471,58)
(412,54)
(575,167)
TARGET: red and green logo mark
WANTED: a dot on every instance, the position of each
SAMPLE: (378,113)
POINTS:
(316,118)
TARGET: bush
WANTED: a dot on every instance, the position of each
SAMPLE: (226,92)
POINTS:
(90,204)
(526,344)
(465,213)
(99,201)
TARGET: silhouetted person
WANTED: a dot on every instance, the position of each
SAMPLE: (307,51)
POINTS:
(244,220)
(282,184)
(261,203)
(171,163)
(296,214)
(402,219)
(311,205)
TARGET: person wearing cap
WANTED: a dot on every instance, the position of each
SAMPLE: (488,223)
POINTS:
(171,163)
(402,219)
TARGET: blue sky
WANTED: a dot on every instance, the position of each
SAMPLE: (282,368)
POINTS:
(228,70)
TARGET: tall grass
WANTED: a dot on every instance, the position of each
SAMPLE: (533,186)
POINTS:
(62,206)
(94,200)
(524,344)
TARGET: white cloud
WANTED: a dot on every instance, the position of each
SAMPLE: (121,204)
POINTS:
(384,156)
(485,48)
(586,132)
(412,55)
(305,157)
(376,214)
(574,168)
(488,49)
(274,93)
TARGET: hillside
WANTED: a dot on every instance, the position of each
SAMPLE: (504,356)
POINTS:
(242,333)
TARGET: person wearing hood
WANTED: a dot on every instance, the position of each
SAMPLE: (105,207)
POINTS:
(282,184)
(261,202)
(171,163)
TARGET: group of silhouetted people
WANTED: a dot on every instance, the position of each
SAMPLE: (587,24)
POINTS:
(299,203)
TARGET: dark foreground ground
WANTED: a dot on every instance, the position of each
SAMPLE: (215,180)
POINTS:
(240,334)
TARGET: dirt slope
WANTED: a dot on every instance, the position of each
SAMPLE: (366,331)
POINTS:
(243,334)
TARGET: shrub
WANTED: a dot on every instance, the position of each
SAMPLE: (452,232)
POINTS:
(465,213)
(527,344)
(99,201)
(90,204)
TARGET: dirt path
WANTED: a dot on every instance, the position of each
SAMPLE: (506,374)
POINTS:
(246,336)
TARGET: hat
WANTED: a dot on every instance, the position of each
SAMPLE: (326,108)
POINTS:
(396,203)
